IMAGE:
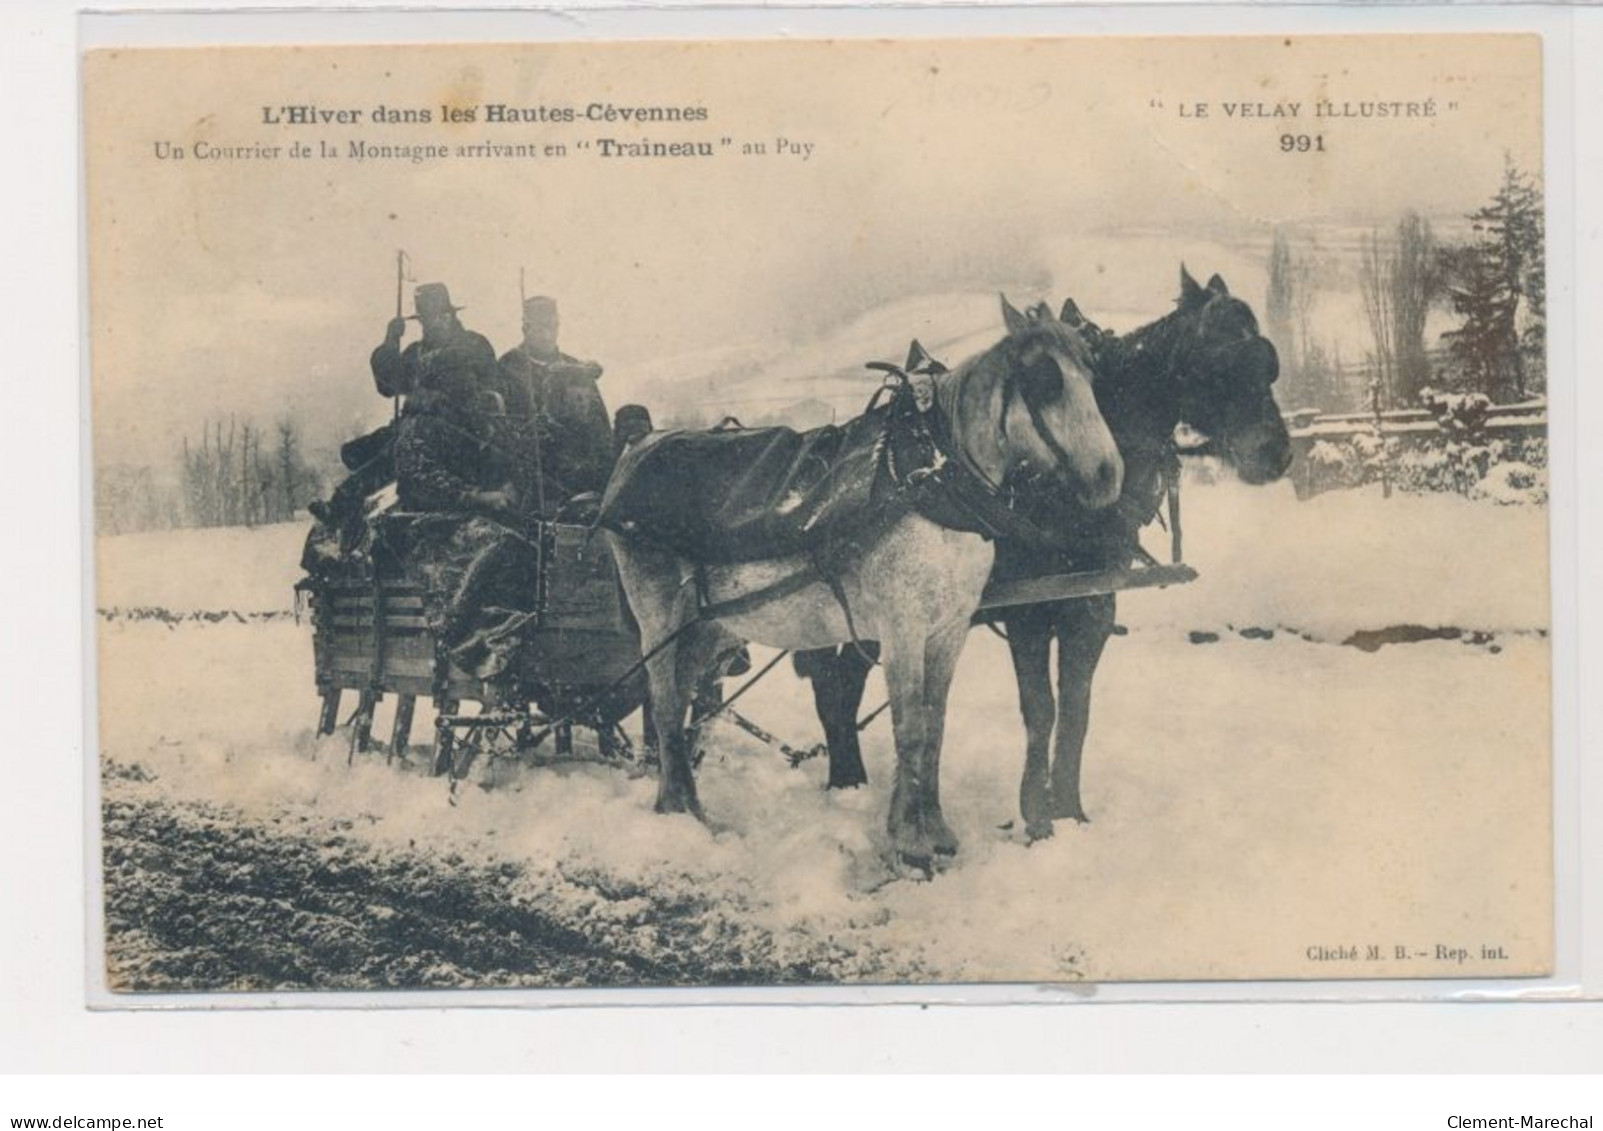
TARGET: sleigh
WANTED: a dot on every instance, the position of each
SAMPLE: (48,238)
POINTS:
(373,635)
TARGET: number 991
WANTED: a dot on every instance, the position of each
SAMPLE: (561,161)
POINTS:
(1302,143)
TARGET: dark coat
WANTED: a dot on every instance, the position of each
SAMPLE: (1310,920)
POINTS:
(558,397)
(460,367)
(440,450)
(442,458)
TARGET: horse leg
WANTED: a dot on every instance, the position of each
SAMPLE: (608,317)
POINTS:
(941,653)
(661,606)
(676,779)
(1083,628)
(838,678)
(904,679)
(1029,639)
(856,661)
(697,675)
(648,729)
(675,675)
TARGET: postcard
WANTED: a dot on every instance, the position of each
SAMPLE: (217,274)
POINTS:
(835,512)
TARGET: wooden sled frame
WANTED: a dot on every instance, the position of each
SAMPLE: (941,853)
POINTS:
(372,636)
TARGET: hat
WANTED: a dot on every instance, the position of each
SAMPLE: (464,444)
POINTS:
(539,306)
(433,298)
(632,414)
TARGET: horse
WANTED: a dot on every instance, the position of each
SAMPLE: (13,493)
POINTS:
(1204,364)
(914,585)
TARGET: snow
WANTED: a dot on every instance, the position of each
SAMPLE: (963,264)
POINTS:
(246,570)
(1347,561)
(1329,566)
(1249,797)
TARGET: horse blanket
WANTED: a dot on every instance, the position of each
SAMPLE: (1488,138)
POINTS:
(747,494)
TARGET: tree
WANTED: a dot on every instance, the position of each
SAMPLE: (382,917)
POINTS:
(1497,284)
(129,498)
(1319,373)
(1288,309)
(1400,278)
(1375,286)
(287,460)
(1415,282)
(1280,302)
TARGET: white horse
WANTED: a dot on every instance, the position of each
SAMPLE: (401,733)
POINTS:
(1027,399)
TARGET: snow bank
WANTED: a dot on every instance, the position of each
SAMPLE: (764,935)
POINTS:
(1333,565)
(1347,561)
(245,570)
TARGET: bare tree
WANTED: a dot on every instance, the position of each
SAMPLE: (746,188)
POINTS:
(244,489)
(1279,304)
(1375,285)
(1294,283)
(232,478)
(1414,282)
(287,441)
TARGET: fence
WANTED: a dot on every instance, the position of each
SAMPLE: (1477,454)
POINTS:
(1321,443)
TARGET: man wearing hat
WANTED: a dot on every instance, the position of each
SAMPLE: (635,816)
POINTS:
(557,396)
(444,374)
(444,456)
(631,422)
(449,360)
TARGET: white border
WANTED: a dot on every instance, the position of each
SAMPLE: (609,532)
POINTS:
(44,962)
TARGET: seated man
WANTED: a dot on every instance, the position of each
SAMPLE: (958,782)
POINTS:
(632,422)
(449,357)
(556,400)
(448,360)
(451,466)
(465,540)
(444,460)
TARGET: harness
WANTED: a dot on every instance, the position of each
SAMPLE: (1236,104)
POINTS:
(928,472)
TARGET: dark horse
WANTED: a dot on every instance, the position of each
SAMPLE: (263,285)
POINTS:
(1205,365)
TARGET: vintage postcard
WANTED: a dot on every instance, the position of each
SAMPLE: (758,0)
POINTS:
(670,514)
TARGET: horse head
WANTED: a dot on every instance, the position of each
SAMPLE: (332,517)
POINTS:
(1225,371)
(1047,414)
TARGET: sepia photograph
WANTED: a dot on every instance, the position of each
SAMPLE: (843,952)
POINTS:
(836,512)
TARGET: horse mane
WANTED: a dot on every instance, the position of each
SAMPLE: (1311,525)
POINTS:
(1047,327)
(1136,371)
(954,388)
(1037,330)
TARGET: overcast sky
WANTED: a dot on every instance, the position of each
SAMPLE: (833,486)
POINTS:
(1061,166)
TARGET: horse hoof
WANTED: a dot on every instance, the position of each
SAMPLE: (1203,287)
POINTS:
(681,805)
(1037,830)
(923,865)
(1071,812)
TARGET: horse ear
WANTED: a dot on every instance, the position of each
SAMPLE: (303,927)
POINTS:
(1040,312)
(917,357)
(1217,286)
(1190,290)
(1011,317)
(1071,314)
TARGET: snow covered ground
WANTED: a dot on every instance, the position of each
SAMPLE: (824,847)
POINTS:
(1253,798)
